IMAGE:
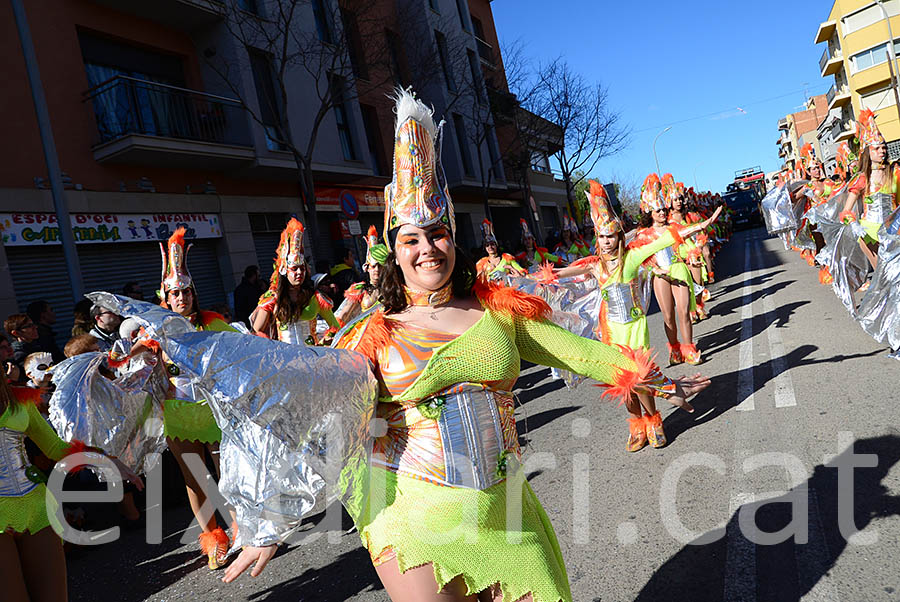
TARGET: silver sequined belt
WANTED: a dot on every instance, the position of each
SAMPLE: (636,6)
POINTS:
(14,464)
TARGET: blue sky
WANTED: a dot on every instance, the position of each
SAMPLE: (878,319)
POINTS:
(666,63)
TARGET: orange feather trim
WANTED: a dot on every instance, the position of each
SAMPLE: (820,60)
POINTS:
(376,337)
(676,234)
(209,542)
(847,217)
(626,382)
(208,317)
(27,394)
(324,302)
(589,261)
(825,276)
(356,292)
(545,273)
(510,301)
(177,238)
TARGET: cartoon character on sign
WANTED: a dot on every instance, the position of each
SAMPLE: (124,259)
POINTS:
(145,226)
(132,228)
(163,231)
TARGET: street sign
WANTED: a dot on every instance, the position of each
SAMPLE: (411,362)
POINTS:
(349,205)
(355,228)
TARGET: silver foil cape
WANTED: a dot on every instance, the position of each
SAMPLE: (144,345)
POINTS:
(879,310)
(844,258)
(778,212)
(575,303)
(119,416)
(293,418)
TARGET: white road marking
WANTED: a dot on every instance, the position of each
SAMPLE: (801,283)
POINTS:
(745,348)
(784,385)
(740,552)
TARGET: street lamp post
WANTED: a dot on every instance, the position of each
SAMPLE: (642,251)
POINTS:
(655,158)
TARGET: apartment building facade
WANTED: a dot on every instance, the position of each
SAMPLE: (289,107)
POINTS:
(801,128)
(857,53)
(150,136)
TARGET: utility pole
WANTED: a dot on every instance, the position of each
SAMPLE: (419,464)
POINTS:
(63,222)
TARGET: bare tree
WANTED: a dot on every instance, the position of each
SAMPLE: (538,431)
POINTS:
(307,59)
(590,129)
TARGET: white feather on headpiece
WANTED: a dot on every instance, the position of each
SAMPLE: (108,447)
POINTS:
(406,105)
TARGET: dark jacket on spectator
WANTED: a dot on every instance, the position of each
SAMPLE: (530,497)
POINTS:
(47,342)
(246,297)
(105,340)
(21,350)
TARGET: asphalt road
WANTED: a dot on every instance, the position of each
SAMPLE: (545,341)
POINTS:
(795,381)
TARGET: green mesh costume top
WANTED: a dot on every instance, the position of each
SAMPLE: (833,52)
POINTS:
(22,493)
(448,461)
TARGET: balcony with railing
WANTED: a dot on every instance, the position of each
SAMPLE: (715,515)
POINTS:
(148,123)
(486,53)
(186,15)
(837,96)
(783,124)
(831,62)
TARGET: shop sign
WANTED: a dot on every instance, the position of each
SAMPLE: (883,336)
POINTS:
(354,199)
(38,229)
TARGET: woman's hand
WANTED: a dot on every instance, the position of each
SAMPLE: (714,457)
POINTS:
(128,474)
(713,217)
(250,555)
(686,387)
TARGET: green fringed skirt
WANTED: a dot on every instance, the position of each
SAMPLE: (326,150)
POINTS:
(485,537)
(190,421)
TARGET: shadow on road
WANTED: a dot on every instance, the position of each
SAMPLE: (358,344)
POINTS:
(729,335)
(722,395)
(723,308)
(787,571)
(350,573)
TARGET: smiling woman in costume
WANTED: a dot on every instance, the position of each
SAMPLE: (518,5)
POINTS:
(446,349)
(495,265)
(292,301)
(189,424)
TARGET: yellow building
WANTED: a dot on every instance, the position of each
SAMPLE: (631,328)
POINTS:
(857,47)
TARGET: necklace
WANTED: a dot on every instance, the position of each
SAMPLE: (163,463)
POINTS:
(433,298)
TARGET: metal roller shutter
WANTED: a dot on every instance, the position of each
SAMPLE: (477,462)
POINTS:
(40,273)
(266,244)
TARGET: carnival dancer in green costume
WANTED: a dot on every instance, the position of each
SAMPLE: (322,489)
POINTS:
(363,296)
(289,310)
(495,265)
(622,320)
(877,186)
(672,281)
(532,256)
(32,563)
(446,349)
(189,424)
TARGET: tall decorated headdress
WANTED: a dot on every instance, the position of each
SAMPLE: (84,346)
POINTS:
(605,221)
(375,251)
(651,194)
(290,251)
(418,194)
(867,131)
(669,189)
(487,233)
(569,225)
(526,231)
(175,275)
(844,157)
(807,156)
